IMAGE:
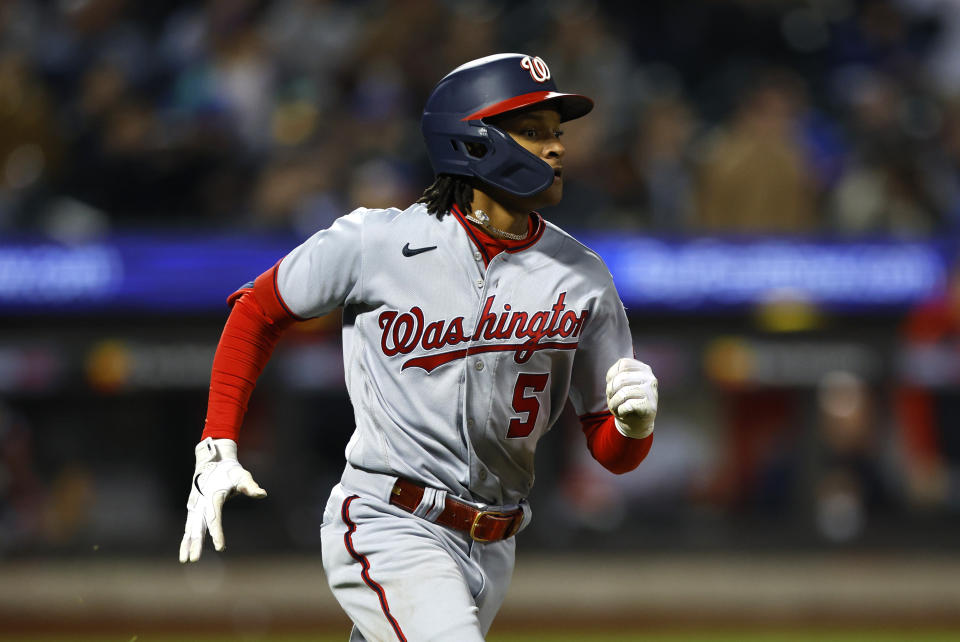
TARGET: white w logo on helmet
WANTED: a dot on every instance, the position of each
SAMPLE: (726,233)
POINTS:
(537,68)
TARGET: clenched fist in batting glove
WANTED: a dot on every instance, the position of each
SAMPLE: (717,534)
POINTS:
(632,397)
(217,477)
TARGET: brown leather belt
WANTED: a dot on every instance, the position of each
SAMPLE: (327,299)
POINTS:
(482,525)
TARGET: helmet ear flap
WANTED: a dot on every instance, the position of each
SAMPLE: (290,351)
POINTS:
(470,149)
(510,167)
(484,151)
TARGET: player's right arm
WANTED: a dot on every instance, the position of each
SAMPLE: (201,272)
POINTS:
(257,319)
(313,279)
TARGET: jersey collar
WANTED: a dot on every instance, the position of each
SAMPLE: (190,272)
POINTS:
(508,246)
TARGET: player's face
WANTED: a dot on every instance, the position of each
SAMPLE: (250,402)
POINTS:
(538,131)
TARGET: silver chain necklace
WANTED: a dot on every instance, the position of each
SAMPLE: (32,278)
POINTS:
(480,218)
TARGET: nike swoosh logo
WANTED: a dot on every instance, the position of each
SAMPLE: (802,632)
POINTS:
(407,251)
(195,480)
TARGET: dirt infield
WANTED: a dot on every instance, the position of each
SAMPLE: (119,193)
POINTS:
(254,597)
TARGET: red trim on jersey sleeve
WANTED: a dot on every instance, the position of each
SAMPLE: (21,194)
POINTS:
(239,293)
(616,453)
(267,292)
(257,320)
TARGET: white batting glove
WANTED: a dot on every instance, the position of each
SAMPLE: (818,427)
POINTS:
(217,477)
(632,397)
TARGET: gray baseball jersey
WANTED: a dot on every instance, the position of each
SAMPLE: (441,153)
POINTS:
(456,368)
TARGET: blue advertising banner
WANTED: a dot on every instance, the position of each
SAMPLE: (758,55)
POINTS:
(709,273)
(154,273)
(180,273)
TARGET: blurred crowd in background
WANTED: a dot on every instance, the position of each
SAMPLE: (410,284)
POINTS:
(812,118)
(796,116)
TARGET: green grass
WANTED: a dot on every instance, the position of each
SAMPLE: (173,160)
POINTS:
(585,636)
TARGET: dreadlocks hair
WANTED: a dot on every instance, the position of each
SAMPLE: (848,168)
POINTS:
(446,191)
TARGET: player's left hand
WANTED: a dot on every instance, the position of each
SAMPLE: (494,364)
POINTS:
(632,397)
(217,477)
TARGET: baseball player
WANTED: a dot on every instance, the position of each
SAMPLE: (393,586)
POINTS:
(468,322)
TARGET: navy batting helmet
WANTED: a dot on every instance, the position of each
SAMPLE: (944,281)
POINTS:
(459,139)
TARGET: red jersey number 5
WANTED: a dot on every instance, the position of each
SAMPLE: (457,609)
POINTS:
(530,405)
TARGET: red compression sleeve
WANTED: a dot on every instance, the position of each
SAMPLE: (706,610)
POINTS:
(617,453)
(256,321)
